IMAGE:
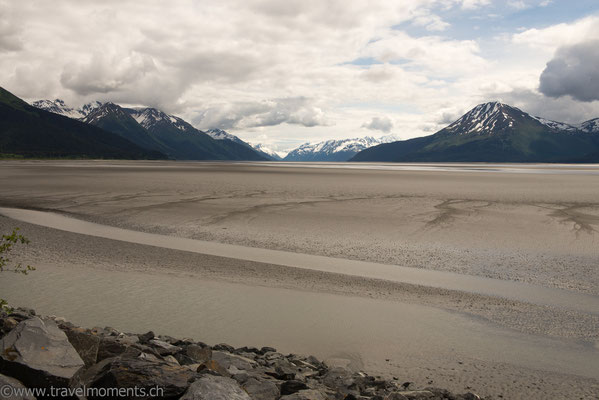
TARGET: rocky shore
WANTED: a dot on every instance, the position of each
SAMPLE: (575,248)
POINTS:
(58,359)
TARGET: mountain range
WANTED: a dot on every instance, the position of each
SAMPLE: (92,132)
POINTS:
(155,130)
(27,131)
(495,132)
(490,132)
(335,150)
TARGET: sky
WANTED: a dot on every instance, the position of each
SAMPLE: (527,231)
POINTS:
(286,72)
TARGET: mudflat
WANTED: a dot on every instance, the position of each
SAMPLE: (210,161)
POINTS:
(536,225)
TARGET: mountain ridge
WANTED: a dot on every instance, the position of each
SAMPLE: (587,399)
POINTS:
(492,132)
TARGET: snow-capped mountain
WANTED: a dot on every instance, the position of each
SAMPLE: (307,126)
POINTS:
(591,126)
(494,132)
(332,150)
(219,134)
(150,118)
(58,106)
(496,117)
(275,155)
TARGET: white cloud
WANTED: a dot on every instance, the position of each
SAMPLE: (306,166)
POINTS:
(272,69)
(383,124)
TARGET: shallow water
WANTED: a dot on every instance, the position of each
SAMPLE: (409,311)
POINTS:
(447,280)
(362,330)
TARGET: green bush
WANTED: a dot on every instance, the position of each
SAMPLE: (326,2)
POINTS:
(7,244)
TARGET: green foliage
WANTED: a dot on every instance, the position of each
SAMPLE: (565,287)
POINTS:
(7,244)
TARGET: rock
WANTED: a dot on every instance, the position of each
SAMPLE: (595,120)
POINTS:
(198,354)
(226,360)
(164,348)
(39,354)
(170,380)
(396,396)
(211,387)
(12,389)
(305,395)
(213,367)
(146,337)
(112,346)
(290,387)
(7,324)
(171,360)
(338,378)
(148,356)
(418,394)
(261,389)
(224,347)
(266,349)
(285,370)
(85,343)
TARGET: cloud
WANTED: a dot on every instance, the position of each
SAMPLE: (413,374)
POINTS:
(103,74)
(383,124)
(563,109)
(294,111)
(10,31)
(473,4)
(573,72)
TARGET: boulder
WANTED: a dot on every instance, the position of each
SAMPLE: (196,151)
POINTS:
(210,387)
(213,367)
(113,346)
(418,394)
(156,378)
(39,354)
(305,395)
(290,387)
(146,337)
(259,389)
(85,343)
(12,389)
(226,360)
(164,348)
(198,354)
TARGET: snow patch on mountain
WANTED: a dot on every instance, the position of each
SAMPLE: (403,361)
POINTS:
(591,126)
(150,117)
(335,150)
(277,155)
(556,125)
(58,106)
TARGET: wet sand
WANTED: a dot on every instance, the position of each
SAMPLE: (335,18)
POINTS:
(539,229)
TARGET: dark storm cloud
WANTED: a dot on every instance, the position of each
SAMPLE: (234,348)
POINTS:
(574,71)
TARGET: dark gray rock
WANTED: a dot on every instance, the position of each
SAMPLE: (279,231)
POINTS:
(227,360)
(146,337)
(212,367)
(113,346)
(164,348)
(85,343)
(211,387)
(309,394)
(39,354)
(260,389)
(198,354)
(267,349)
(12,389)
(143,374)
(224,347)
(290,387)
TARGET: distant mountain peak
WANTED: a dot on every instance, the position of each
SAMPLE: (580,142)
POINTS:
(58,106)
(591,126)
(486,118)
(149,117)
(333,150)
